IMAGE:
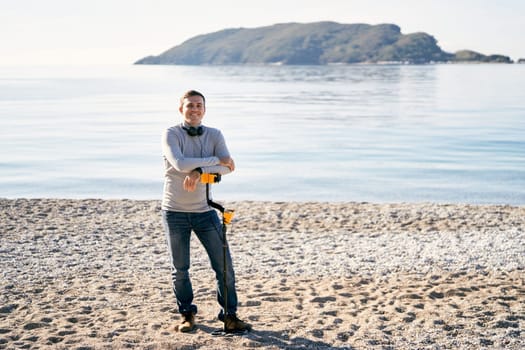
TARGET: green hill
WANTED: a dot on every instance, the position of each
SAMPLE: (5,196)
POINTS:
(312,44)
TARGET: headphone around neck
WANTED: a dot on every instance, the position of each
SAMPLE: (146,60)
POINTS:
(194,131)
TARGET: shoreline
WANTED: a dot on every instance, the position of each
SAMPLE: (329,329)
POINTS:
(94,274)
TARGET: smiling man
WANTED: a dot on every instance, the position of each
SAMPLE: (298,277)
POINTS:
(191,149)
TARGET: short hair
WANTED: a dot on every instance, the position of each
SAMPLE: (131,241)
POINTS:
(192,93)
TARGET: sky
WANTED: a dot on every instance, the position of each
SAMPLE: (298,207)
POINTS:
(41,32)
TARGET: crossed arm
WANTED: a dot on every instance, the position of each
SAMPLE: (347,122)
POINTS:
(192,179)
(214,164)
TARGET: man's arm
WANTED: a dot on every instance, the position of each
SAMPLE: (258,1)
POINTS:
(226,164)
(222,164)
(171,150)
(193,178)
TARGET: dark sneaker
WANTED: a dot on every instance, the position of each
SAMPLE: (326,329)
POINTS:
(232,324)
(188,322)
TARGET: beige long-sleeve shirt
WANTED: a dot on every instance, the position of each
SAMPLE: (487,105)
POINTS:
(183,153)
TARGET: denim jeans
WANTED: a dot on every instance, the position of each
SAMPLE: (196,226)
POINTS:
(208,229)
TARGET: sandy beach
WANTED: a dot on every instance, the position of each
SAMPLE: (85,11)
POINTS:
(94,274)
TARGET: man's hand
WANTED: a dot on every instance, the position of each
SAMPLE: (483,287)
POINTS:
(227,162)
(191,181)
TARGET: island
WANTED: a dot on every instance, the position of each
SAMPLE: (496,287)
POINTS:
(318,43)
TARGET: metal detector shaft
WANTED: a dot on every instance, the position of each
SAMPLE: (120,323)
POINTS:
(227,216)
(224,269)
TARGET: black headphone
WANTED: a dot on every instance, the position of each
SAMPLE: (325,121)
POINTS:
(194,131)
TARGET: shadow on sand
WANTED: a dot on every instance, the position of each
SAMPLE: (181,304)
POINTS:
(260,338)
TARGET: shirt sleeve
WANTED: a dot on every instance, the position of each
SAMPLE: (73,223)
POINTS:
(221,151)
(171,150)
(216,169)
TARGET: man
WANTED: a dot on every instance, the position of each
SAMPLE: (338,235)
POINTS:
(190,149)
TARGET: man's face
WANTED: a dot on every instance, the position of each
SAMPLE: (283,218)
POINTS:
(193,109)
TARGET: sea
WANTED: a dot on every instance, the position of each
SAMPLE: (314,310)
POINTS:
(443,133)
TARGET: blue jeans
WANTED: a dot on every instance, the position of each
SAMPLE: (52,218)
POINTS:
(208,228)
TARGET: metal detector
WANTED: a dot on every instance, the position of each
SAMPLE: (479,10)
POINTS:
(227,216)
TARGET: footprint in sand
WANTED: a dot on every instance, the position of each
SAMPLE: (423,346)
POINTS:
(323,300)
(34,325)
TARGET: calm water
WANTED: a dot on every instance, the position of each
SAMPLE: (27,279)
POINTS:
(443,133)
